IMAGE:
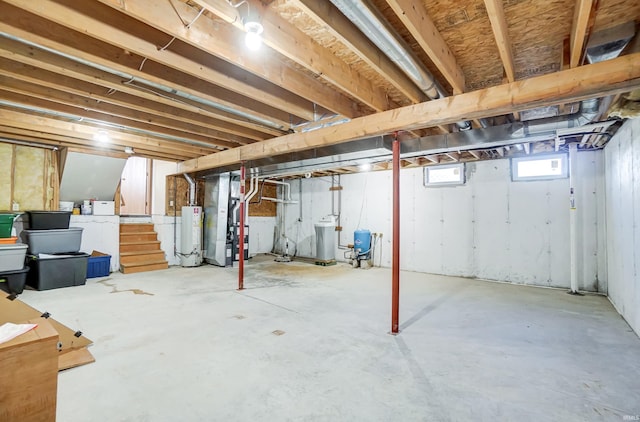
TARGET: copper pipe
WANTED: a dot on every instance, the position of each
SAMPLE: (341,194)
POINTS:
(395,259)
(241,246)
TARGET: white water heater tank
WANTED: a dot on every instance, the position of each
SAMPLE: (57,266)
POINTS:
(191,237)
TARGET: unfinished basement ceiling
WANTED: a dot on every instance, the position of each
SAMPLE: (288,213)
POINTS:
(174,80)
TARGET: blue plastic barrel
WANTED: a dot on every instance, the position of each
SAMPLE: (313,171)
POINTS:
(362,240)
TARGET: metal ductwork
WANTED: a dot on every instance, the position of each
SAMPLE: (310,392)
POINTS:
(371,23)
(588,111)
(609,43)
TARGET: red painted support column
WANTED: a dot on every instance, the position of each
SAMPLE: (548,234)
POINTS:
(241,246)
(395,255)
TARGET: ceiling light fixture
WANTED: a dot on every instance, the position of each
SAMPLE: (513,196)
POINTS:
(365,167)
(102,136)
(129,150)
(253,38)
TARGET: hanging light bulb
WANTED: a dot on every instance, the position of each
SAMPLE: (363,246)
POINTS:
(253,38)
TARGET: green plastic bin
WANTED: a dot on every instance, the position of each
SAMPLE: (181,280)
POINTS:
(6,224)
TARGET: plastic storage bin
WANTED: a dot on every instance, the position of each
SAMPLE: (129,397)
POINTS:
(12,257)
(14,281)
(6,224)
(99,265)
(52,241)
(48,220)
(56,272)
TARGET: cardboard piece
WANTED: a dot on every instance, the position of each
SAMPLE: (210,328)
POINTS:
(16,311)
(29,374)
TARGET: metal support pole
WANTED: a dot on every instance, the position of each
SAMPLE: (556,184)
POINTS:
(573,241)
(242,217)
(395,259)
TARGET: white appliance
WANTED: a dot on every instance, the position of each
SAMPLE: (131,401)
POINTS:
(191,237)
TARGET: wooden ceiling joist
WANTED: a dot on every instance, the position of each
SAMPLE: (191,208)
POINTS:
(84,104)
(416,19)
(89,18)
(495,10)
(294,44)
(44,104)
(227,43)
(112,83)
(11,118)
(51,79)
(605,78)
(581,15)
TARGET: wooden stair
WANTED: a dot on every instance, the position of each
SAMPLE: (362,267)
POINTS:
(140,249)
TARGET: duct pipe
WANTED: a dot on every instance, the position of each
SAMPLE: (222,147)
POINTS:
(241,246)
(573,241)
(371,23)
(395,257)
(192,190)
(588,111)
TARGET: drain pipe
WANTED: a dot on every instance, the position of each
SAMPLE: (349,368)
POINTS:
(573,241)
(192,190)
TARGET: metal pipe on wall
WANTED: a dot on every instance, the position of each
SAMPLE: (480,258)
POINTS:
(395,260)
(192,189)
(573,247)
(242,217)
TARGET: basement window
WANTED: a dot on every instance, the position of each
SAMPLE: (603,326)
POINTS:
(445,175)
(544,167)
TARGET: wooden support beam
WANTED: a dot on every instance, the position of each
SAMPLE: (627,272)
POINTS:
(302,49)
(500,151)
(594,80)
(495,10)
(435,159)
(415,18)
(325,14)
(227,43)
(581,15)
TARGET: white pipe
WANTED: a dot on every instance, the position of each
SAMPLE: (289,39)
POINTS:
(285,184)
(192,190)
(573,148)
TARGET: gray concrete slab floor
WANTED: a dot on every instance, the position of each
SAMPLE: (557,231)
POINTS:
(310,343)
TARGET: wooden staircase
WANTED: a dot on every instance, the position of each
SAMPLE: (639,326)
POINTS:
(140,249)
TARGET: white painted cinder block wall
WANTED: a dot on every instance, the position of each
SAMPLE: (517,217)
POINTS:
(622,164)
(490,228)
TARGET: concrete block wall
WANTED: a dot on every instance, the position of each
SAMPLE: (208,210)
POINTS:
(490,228)
(622,164)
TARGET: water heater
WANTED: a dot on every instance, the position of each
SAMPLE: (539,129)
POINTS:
(191,237)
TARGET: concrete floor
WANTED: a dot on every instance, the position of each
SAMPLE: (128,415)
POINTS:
(308,343)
